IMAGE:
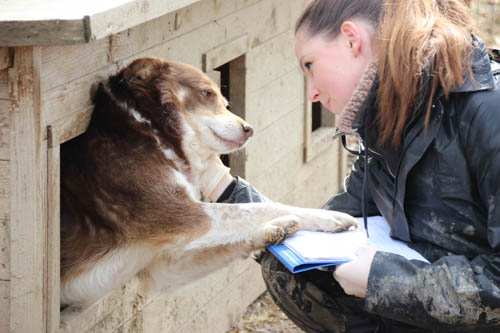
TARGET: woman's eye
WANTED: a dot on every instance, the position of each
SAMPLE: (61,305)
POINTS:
(308,65)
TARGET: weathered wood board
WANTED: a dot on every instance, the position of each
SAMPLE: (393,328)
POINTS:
(31,22)
(27,193)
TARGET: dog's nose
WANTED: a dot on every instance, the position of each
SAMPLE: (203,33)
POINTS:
(247,129)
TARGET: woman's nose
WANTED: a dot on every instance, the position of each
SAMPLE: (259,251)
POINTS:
(312,93)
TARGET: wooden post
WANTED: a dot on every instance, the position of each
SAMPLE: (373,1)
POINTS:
(28,156)
(53,240)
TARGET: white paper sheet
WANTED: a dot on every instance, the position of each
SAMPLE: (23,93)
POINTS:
(323,245)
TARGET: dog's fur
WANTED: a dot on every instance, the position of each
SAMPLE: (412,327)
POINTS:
(130,195)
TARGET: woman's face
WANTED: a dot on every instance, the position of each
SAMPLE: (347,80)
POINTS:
(333,67)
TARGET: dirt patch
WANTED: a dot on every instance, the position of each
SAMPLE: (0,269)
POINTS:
(264,316)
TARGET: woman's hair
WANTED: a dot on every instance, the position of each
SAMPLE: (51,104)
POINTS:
(410,35)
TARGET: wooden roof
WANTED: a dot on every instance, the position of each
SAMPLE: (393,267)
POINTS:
(53,22)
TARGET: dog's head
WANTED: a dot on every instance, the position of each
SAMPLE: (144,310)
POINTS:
(164,92)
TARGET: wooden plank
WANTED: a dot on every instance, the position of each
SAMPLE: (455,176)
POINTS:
(55,22)
(4,88)
(4,305)
(215,76)
(267,19)
(69,127)
(160,38)
(321,139)
(225,53)
(120,307)
(27,192)
(76,320)
(4,130)
(313,189)
(271,60)
(187,313)
(74,96)
(66,63)
(4,221)
(274,99)
(279,179)
(52,283)
(42,32)
(235,299)
(275,141)
(173,25)
(4,58)
(63,63)
(71,98)
(131,14)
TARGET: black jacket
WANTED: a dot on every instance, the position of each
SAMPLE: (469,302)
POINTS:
(441,192)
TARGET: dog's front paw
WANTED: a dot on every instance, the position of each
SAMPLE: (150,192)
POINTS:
(328,220)
(278,229)
(343,221)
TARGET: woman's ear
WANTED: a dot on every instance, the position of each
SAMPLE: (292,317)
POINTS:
(353,36)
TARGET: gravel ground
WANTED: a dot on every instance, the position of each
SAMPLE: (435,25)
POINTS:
(264,316)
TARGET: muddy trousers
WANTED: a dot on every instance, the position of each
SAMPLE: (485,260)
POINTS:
(315,302)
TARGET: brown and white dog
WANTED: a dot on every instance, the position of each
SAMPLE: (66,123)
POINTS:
(130,195)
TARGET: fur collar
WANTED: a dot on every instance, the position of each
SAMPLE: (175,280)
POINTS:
(359,96)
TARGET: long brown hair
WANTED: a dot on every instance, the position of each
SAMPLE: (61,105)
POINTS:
(411,35)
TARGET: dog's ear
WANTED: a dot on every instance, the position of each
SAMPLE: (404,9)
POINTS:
(167,92)
(142,69)
(168,99)
(142,75)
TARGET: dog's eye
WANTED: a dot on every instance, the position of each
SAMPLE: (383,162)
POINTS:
(207,93)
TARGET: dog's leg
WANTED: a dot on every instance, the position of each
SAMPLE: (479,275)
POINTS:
(235,231)
(106,273)
(171,269)
(264,223)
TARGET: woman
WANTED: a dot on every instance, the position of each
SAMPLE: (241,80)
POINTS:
(423,95)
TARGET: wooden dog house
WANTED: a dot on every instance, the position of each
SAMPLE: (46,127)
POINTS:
(51,53)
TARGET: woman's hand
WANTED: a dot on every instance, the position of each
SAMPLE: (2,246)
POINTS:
(353,276)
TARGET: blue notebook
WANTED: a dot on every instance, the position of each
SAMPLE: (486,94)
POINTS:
(307,250)
(296,263)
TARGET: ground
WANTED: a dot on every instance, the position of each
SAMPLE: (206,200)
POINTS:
(264,316)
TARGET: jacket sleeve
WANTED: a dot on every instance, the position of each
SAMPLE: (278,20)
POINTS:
(348,200)
(454,293)
(240,191)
